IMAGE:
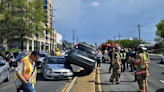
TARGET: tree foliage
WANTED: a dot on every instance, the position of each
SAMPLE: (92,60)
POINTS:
(160,31)
(22,18)
(128,43)
(109,41)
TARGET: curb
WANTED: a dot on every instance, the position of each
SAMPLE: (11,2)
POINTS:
(156,54)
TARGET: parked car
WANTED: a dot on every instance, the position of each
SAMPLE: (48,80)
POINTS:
(4,70)
(17,57)
(41,59)
(53,68)
(105,57)
(82,55)
(162,59)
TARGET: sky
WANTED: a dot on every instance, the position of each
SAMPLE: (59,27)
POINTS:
(96,21)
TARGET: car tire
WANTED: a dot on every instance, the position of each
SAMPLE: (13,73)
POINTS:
(8,77)
(103,60)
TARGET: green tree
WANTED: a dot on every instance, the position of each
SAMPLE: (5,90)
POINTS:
(22,19)
(84,43)
(109,41)
(128,43)
(160,31)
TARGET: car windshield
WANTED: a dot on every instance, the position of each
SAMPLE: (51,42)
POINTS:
(42,55)
(23,54)
(56,60)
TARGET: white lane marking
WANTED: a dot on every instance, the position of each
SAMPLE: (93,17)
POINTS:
(162,81)
(161,65)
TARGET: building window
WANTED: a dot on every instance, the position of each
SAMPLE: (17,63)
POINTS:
(46,11)
(45,7)
(50,5)
(46,32)
(46,38)
(46,2)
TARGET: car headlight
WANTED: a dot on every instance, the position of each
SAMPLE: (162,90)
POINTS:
(49,70)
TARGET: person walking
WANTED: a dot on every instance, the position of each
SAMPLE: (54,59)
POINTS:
(58,53)
(112,51)
(142,64)
(116,67)
(99,58)
(123,59)
(11,60)
(25,76)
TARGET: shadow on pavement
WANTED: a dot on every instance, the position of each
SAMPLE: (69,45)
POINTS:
(104,83)
(163,73)
(160,90)
(80,74)
(127,81)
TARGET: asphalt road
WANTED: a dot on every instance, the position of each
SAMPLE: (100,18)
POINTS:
(155,79)
(41,84)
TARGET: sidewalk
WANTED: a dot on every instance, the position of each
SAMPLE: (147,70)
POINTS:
(85,83)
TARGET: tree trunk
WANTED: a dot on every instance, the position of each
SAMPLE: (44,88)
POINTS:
(22,43)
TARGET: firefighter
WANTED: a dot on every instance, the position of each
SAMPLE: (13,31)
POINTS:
(116,67)
(58,53)
(141,63)
(123,59)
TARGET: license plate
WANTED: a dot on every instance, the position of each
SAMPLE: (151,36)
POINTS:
(60,76)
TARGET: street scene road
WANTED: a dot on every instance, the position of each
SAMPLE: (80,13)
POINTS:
(155,79)
(41,85)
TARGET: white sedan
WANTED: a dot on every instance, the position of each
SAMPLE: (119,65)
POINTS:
(162,59)
(53,68)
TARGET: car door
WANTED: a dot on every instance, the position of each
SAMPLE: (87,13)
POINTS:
(2,70)
(106,57)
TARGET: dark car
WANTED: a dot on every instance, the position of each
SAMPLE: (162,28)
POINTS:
(17,57)
(82,55)
(41,59)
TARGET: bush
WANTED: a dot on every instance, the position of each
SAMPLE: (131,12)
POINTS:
(12,50)
(2,53)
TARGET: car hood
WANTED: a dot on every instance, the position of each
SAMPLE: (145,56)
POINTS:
(58,67)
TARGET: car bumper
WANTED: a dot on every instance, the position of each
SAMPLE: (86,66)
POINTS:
(52,76)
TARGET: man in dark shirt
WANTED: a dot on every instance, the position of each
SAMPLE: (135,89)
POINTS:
(110,58)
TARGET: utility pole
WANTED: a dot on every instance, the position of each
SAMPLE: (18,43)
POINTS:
(73,36)
(139,31)
(119,36)
(114,38)
(77,40)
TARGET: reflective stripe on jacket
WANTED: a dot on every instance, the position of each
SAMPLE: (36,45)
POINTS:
(27,70)
(122,56)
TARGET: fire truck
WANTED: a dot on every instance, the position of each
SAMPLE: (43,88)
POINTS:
(108,46)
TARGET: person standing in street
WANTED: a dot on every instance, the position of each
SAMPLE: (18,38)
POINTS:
(99,58)
(116,61)
(123,59)
(58,53)
(142,64)
(112,51)
(25,76)
(11,60)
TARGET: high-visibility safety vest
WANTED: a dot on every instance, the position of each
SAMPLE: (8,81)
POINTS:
(114,61)
(142,61)
(122,55)
(58,53)
(27,70)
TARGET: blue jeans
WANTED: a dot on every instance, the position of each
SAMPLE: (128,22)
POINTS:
(27,88)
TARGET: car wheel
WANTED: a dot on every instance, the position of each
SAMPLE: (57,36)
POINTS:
(8,76)
(103,60)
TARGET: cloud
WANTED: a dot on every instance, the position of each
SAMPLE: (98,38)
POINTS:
(95,3)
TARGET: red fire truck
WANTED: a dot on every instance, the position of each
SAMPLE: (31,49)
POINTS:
(109,46)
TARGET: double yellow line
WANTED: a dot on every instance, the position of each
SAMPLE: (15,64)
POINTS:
(99,81)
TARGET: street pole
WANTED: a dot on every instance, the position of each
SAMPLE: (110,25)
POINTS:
(73,36)
(114,38)
(119,36)
(77,40)
(139,31)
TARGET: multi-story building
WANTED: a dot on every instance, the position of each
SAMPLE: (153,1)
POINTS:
(42,43)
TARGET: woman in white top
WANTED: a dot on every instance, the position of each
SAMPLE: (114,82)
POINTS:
(98,58)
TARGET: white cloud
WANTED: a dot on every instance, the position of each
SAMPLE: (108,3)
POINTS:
(95,3)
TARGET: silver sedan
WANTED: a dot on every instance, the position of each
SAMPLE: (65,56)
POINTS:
(4,70)
(53,68)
